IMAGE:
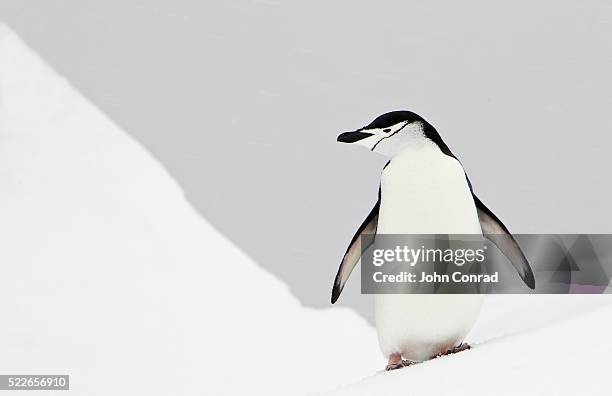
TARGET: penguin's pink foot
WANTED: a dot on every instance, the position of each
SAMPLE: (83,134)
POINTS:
(462,347)
(395,362)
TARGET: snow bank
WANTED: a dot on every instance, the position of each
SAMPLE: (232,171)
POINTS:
(522,345)
(110,276)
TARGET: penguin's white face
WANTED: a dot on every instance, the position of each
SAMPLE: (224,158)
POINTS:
(388,134)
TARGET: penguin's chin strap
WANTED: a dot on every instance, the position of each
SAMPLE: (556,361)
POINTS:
(387,137)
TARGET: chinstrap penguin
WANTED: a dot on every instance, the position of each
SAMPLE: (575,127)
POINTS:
(423,190)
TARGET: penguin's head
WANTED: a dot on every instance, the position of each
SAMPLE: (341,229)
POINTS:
(390,133)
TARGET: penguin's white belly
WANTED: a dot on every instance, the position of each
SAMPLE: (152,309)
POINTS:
(425,192)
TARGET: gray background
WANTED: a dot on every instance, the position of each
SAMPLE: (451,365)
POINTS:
(242,101)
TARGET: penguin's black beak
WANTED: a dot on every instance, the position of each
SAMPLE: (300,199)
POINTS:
(352,137)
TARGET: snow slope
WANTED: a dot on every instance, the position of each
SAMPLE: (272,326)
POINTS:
(522,345)
(110,276)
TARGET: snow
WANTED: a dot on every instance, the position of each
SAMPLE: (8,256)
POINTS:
(522,345)
(110,276)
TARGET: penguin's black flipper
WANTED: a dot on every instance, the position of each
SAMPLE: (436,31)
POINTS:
(353,253)
(495,231)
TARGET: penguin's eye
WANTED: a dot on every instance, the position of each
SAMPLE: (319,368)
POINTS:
(387,130)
